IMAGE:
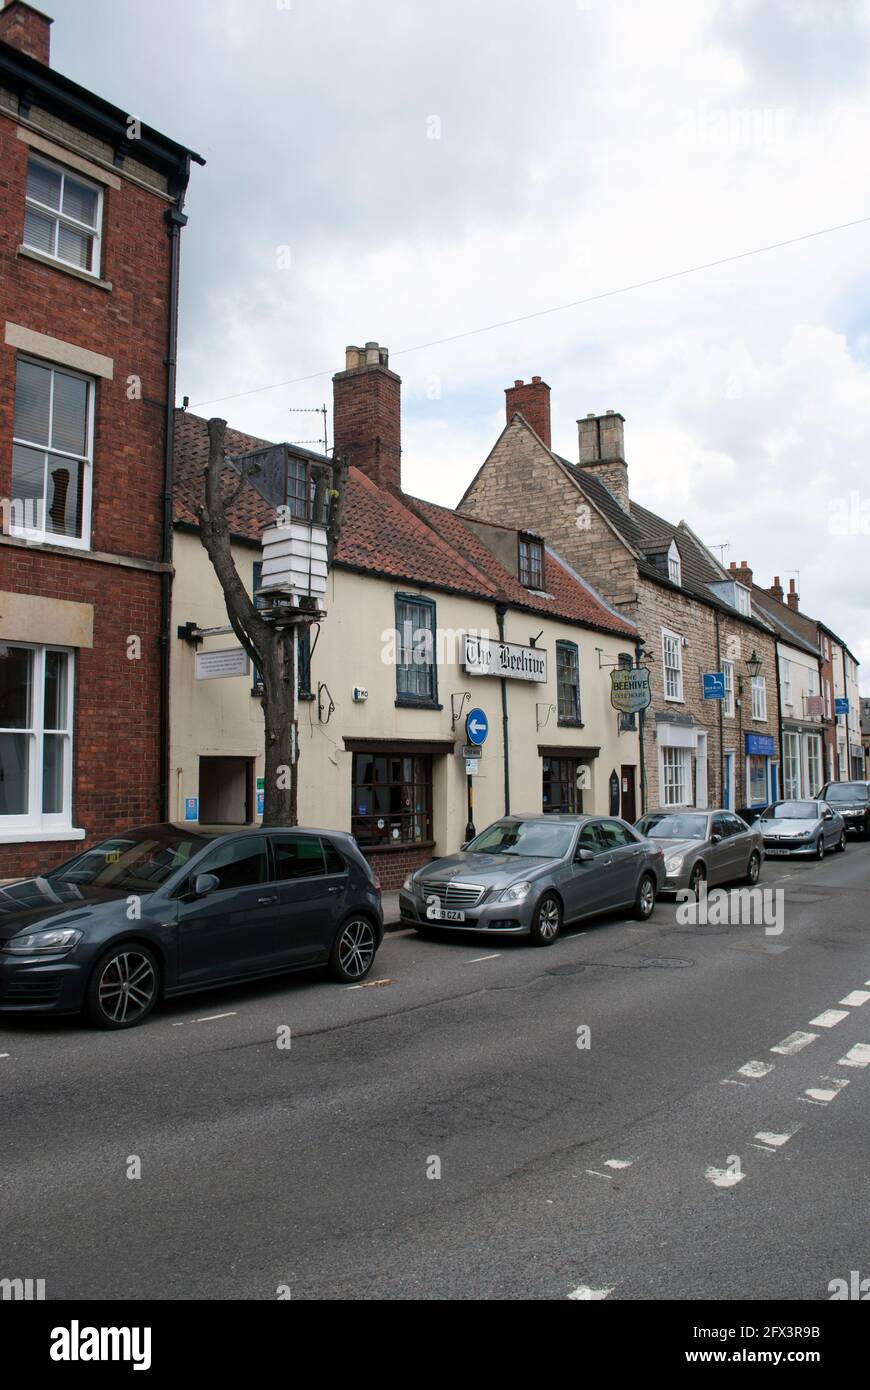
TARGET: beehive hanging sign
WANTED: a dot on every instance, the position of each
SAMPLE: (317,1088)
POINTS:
(630,689)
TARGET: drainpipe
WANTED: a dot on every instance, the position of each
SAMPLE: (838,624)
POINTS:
(781,788)
(640,732)
(848,739)
(720,703)
(175,220)
(500,611)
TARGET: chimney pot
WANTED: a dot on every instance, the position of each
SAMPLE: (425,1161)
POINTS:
(27,29)
(532,401)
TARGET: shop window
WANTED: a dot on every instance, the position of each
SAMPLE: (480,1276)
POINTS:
(676,777)
(416,674)
(560,790)
(36,720)
(392,799)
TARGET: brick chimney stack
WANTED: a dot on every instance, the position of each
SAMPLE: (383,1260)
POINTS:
(532,401)
(26,29)
(792,597)
(366,415)
(742,573)
(602,452)
(776,590)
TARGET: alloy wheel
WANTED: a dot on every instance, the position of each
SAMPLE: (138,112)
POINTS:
(126,987)
(697,878)
(356,948)
(548,919)
(646,898)
(753,869)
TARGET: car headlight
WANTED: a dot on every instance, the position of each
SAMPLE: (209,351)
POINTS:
(409,885)
(517,893)
(56,939)
(674,863)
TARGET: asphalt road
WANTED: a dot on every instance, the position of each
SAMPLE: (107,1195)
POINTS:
(653,1164)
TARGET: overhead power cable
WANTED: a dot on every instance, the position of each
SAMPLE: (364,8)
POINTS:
(556,308)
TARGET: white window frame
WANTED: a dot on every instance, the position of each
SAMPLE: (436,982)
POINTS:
(815,764)
(675,568)
(785,678)
(759,699)
(19,527)
(675,768)
(791,767)
(728,679)
(35,823)
(58,216)
(743,599)
(676,669)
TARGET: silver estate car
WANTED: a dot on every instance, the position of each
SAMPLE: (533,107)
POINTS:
(710,847)
(807,827)
(529,874)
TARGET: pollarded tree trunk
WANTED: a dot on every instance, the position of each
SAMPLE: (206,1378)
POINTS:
(271,648)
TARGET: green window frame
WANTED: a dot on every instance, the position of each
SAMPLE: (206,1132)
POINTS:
(568,683)
(416,665)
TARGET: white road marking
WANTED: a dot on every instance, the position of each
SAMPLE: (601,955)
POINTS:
(829,1017)
(594,1173)
(475,960)
(776,1140)
(824,1095)
(721,1177)
(618,1162)
(5,1054)
(857,1056)
(765,1147)
(210,1018)
(583,1293)
(856,998)
(794,1043)
(755,1069)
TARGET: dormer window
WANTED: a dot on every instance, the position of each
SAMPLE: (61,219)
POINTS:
(743,600)
(675,573)
(531,562)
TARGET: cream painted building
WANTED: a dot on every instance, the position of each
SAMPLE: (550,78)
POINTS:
(381,719)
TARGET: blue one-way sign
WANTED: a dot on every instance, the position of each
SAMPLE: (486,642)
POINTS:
(476,726)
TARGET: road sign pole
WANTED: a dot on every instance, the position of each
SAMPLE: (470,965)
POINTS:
(470,831)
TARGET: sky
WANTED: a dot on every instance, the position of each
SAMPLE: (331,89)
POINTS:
(414,172)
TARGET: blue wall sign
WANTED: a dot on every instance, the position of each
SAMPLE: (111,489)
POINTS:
(762,745)
(841,706)
(476,726)
(714,685)
(191,808)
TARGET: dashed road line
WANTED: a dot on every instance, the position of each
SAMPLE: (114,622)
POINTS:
(856,998)
(829,1018)
(755,1069)
(583,1294)
(795,1042)
(823,1095)
(776,1141)
(475,960)
(212,1018)
(618,1162)
(857,1056)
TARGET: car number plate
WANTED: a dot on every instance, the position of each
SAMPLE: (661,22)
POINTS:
(768,852)
(445,914)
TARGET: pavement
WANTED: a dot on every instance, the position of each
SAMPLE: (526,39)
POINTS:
(641,1111)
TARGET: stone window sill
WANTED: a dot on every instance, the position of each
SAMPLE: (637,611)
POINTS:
(23,836)
(85,275)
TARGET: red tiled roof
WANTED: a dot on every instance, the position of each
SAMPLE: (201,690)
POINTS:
(399,536)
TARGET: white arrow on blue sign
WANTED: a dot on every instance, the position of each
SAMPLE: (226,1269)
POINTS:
(476,726)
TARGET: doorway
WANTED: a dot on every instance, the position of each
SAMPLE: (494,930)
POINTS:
(701,773)
(728,789)
(226,791)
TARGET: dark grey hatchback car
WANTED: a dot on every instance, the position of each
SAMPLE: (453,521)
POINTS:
(165,910)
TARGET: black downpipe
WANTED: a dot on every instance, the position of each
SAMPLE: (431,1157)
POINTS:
(175,220)
(500,611)
(641,734)
(720,703)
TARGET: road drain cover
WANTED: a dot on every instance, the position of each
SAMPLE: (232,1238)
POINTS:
(566,970)
(662,963)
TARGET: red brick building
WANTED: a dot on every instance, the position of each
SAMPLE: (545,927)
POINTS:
(90,219)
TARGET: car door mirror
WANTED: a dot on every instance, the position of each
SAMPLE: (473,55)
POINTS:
(205,884)
(583,856)
(715,838)
(465,844)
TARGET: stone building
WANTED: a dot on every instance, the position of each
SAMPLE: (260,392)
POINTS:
(694,616)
